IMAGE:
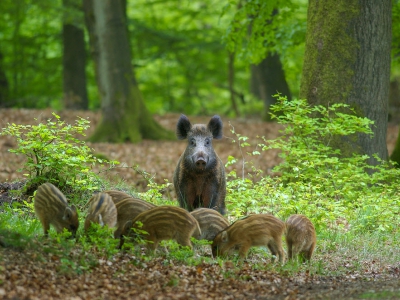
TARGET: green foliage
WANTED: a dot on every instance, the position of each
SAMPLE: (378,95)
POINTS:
(55,155)
(31,45)
(315,180)
(154,193)
(17,228)
(100,241)
(275,26)
(396,33)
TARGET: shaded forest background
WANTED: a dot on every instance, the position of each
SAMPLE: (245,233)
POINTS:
(179,52)
(193,57)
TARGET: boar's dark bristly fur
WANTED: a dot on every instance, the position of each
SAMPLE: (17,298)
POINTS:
(199,177)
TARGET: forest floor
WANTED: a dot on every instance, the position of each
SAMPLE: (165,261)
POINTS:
(29,273)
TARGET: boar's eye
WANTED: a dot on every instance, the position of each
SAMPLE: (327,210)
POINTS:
(192,142)
(207,142)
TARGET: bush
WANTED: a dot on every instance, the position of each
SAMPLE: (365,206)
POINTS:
(55,155)
(315,179)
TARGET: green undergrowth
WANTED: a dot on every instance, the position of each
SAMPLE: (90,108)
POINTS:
(356,212)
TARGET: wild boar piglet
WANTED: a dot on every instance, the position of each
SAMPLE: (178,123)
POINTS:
(51,207)
(300,237)
(253,230)
(164,223)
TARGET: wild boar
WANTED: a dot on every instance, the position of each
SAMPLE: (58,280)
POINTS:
(164,223)
(253,230)
(127,210)
(300,237)
(102,211)
(117,195)
(199,177)
(211,222)
(51,207)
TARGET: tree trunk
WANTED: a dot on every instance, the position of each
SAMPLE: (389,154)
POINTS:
(4,87)
(231,82)
(74,60)
(124,115)
(347,60)
(267,79)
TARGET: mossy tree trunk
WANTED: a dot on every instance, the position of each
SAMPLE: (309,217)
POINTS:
(124,115)
(74,57)
(347,60)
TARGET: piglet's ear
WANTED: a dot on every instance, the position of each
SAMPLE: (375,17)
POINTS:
(67,214)
(224,236)
(183,127)
(215,127)
(101,220)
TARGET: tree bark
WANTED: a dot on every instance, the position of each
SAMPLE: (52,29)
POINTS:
(4,86)
(124,115)
(231,83)
(74,61)
(267,79)
(347,60)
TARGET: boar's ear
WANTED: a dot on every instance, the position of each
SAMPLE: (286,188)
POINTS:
(215,127)
(183,127)
(68,213)
(101,220)
(224,236)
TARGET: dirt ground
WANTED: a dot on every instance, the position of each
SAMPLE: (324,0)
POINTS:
(158,158)
(27,274)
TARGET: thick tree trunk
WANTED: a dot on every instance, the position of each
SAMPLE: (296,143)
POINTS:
(124,115)
(267,79)
(4,87)
(231,82)
(74,61)
(347,59)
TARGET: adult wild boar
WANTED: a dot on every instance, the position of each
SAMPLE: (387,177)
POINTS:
(199,177)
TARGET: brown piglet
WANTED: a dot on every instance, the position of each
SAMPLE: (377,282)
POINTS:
(211,222)
(300,237)
(164,223)
(127,210)
(102,211)
(51,207)
(253,230)
(117,195)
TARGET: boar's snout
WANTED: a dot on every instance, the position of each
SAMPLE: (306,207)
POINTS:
(200,160)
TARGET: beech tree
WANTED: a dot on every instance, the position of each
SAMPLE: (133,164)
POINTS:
(74,57)
(347,60)
(124,114)
(268,78)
